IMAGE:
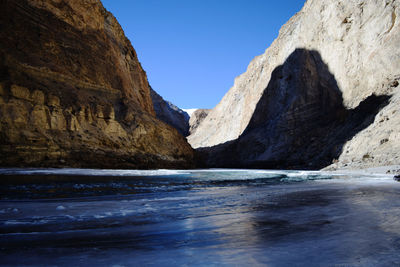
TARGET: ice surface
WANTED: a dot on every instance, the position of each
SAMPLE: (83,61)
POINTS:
(198,217)
(88,172)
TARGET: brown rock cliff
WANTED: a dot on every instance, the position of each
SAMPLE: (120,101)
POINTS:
(73,92)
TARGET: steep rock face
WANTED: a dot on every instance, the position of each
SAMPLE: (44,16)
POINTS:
(73,92)
(358,43)
(170,114)
(378,144)
(196,118)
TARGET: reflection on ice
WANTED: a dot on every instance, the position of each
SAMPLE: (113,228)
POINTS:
(199,217)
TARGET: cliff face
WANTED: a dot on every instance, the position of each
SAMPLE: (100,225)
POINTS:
(196,118)
(326,84)
(73,92)
(170,114)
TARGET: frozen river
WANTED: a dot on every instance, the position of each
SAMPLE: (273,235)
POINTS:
(81,217)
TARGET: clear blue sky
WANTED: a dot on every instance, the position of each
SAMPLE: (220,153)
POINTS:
(192,50)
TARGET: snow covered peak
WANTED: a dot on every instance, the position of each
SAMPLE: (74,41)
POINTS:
(190,111)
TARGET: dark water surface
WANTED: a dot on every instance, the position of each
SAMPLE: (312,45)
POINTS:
(78,217)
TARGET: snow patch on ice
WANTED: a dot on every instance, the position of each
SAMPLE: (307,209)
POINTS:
(8,210)
(89,172)
(19,222)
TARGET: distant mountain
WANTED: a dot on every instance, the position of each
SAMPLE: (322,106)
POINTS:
(197,116)
(170,114)
(190,111)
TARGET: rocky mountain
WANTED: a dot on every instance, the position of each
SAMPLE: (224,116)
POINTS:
(325,91)
(73,92)
(170,114)
(196,118)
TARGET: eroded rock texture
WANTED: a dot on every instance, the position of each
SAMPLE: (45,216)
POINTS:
(170,114)
(197,117)
(325,90)
(73,92)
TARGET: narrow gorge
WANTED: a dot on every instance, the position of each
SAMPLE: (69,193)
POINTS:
(324,94)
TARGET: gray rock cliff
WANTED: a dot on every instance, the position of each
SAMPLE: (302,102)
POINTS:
(170,114)
(197,117)
(325,90)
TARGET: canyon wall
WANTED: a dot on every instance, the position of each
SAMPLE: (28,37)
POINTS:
(325,91)
(170,114)
(73,92)
(197,117)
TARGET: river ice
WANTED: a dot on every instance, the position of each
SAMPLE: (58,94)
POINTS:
(82,217)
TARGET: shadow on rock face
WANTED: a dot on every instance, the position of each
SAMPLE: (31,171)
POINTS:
(300,120)
(170,114)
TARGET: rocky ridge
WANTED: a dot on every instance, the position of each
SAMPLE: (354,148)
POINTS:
(320,93)
(73,93)
(170,114)
(196,118)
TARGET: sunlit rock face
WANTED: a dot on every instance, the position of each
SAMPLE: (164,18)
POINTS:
(357,43)
(197,117)
(73,93)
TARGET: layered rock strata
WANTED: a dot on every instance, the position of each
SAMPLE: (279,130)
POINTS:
(170,114)
(73,93)
(316,95)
